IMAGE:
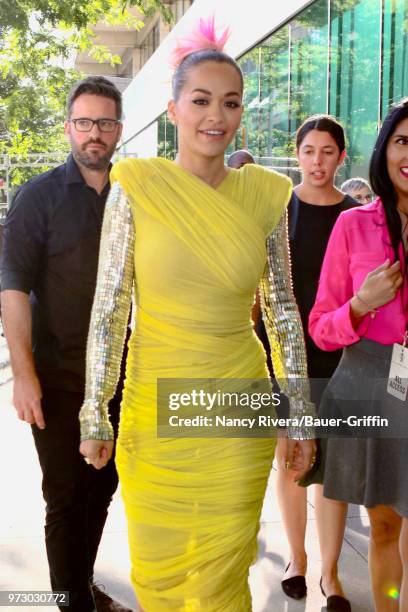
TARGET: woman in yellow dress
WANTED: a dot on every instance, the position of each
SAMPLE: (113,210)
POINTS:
(194,238)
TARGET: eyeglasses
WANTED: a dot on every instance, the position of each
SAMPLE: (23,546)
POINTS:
(367,198)
(84,124)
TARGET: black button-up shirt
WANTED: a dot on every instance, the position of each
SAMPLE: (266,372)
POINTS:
(50,251)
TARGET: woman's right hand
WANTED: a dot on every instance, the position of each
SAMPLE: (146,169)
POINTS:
(296,456)
(379,287)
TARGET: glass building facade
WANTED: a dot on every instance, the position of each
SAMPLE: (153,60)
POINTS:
(348,58)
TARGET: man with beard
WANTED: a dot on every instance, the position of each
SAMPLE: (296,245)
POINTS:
(48,278)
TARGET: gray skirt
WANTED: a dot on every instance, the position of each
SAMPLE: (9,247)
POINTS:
(371,469)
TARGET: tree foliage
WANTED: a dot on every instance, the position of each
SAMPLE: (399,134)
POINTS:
(38,39)
(74,13)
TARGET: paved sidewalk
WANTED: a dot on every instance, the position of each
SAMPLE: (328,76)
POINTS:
(23,564)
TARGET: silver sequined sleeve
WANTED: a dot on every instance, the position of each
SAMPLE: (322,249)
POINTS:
(285,333)
(109,316)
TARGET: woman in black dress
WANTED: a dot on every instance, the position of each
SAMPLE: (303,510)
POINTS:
(315,205)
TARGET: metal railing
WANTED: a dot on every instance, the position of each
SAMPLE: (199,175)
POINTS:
(287,165)
(283,164)
(8,163)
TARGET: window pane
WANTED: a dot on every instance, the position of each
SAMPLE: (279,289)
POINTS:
(395,53)
(354,82)
(248,134)
(274,102)
(166,138)
(308,63)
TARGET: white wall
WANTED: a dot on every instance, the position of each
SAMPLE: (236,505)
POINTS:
(146,97)
(144,144)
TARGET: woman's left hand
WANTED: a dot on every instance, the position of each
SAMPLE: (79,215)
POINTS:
(300,456)
(96,452)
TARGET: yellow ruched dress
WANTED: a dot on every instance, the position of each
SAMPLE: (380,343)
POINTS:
(195,256)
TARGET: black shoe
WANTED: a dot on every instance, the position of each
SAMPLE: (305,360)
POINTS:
(294,587)
(104,603)
(336,603)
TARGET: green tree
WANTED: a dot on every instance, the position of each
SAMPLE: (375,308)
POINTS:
(75,13)
(37,40)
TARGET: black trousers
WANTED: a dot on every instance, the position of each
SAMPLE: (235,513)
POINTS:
(77,496)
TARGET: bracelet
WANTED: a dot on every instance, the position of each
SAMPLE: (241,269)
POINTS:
(372,311)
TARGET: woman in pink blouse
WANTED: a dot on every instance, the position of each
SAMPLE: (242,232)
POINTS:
(362,305)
